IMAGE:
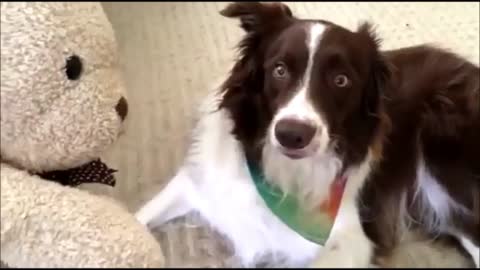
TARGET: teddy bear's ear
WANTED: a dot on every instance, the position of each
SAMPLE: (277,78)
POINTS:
(255,16)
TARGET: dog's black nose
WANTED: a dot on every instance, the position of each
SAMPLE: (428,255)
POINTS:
(294,134)
(122,108)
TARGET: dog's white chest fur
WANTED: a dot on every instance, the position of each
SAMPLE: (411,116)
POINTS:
(226,196)
(215,182)
(229,201)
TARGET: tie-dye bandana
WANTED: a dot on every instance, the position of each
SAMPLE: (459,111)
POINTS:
(313,225)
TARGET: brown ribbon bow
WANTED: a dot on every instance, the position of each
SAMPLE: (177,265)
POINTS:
(93,172)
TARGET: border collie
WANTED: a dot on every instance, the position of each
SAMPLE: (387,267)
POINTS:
(309,101)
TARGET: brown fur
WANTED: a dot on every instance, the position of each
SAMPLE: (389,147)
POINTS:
(433,105)
(401,103)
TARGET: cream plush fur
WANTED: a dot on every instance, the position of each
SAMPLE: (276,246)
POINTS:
(50,122)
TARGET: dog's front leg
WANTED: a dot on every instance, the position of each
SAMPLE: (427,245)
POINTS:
(348,246)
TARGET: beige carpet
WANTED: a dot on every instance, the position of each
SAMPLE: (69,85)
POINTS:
(172,52)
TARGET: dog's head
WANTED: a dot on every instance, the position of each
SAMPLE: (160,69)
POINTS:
(305,87)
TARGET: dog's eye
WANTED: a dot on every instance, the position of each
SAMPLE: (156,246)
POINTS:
(280,71)
(341,81)
(73,67)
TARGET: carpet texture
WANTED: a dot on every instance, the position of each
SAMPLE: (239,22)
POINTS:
(173,52)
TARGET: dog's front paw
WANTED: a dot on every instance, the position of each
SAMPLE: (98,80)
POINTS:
(333,260)
(336,256)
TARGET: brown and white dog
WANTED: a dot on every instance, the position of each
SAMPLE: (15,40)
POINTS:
(309,100)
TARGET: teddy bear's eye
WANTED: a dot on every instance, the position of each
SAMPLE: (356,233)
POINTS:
(74,67)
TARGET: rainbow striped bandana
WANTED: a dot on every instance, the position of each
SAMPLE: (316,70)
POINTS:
(314,225)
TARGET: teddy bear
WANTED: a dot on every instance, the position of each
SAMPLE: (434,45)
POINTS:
(63,104)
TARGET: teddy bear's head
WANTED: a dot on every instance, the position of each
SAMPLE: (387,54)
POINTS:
(62,97)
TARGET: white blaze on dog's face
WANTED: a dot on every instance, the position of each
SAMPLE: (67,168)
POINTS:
(321,90)
(298,129)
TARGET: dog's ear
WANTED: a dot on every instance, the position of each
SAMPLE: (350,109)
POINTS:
(380,70)
(243,89)
(261,21)
(256,16)
(366,31)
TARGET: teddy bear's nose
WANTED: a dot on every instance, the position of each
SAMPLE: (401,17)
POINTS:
(122,108)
